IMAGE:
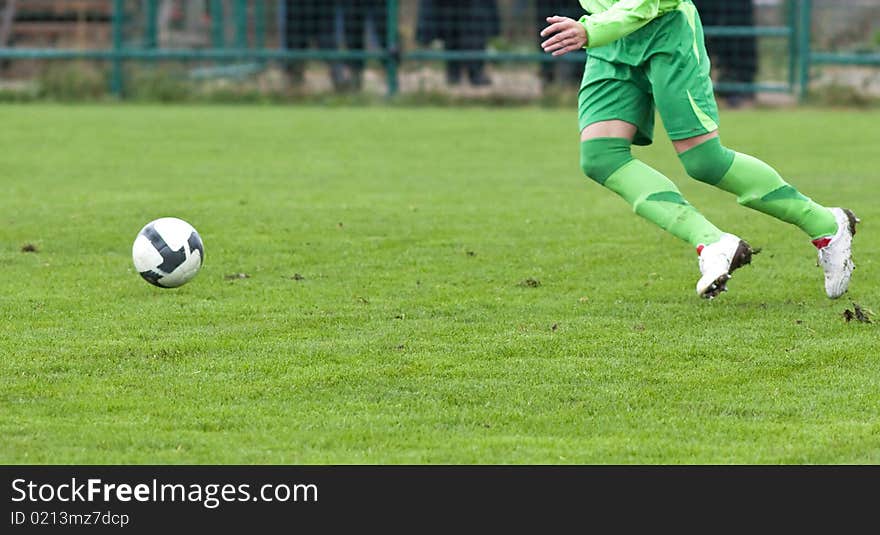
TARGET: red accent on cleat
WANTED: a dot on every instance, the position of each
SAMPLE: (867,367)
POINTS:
(822,243)
(700,249)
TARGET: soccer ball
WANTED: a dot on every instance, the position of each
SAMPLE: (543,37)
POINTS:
(168,252)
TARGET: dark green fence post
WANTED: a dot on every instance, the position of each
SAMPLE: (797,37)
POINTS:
(260,24)
(792,21)
(117,83)
(241,24)
(150,25)
(805,28)
(218,25)
(393,48)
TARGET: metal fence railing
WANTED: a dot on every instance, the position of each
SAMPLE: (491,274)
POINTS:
(763,45)
(843,33)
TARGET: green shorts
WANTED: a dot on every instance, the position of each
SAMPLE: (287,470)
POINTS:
(664,62)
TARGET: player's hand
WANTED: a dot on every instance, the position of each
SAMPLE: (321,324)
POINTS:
(567,34)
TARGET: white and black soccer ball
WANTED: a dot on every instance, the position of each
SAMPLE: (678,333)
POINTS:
(168,252)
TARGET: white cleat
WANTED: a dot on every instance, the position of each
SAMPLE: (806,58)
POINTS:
(835,253)
(718,261)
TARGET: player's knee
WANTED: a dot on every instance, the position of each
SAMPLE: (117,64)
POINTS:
(601,157)
(708,162)
(593,168)
(708,171)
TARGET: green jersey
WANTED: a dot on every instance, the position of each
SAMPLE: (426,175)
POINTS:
(609,20)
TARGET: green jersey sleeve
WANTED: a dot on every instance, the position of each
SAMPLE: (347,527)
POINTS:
(619,20)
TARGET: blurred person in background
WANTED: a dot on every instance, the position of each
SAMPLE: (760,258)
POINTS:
(461,25)
(305,25)
(566,72)
(334,25)
(735,58)
(364,23)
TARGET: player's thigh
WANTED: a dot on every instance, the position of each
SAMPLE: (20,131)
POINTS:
(686,144)
(679,72)
(684,97)
(615,102)
(614,128)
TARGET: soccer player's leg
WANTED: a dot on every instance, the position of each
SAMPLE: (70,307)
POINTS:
(615,112)
(684,96)
(760,187)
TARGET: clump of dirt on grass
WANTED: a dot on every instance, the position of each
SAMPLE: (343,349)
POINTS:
(29,248)
(530,283)
(858,314)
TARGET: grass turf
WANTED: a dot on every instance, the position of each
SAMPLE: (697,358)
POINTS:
(464,295)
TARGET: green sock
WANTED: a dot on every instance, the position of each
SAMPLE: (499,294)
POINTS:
(652,195)
(758,186)
(657,199)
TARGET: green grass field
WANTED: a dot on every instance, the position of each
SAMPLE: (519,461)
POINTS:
(413,333)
